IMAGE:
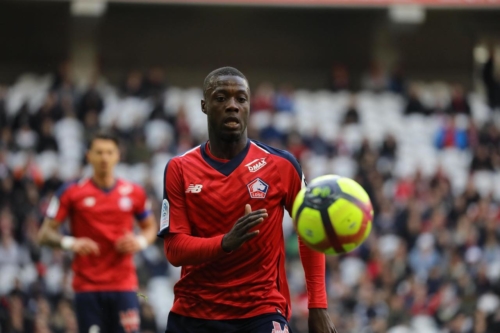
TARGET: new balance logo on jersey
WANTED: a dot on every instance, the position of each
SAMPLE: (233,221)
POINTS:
(194,188)
(257,189)
(277,328)
(256,165)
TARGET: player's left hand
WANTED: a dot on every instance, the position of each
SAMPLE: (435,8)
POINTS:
(127,244)
(320,322)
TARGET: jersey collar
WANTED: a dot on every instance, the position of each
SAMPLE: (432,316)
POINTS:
(226,168)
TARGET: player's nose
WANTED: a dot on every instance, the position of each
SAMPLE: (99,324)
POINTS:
(232,105)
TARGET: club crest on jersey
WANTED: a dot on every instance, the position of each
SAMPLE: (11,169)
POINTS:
(125,203)
(257,189)
(125,189)
(256,165)
(89,202)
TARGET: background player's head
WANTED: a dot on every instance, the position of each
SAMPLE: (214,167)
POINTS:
(226,102)
(103,153)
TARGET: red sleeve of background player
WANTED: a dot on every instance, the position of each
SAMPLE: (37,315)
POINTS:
(60,203)
(312,261)
(173,208)
(142,206)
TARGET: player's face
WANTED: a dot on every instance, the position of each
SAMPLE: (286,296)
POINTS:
(103,155)
(227,107)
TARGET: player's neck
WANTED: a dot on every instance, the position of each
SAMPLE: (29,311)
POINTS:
(104,181)
(226,150)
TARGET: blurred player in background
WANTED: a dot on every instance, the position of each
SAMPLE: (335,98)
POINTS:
(102,211)
(222,222)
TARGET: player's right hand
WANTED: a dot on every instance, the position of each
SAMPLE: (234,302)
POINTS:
(239,233)
(85,246)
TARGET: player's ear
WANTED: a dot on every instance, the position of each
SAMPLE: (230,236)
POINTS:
(203,106)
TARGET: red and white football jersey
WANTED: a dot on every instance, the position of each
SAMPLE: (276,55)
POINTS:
(204,196)
(103,216)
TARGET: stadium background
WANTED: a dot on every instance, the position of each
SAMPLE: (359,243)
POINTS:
(399,98)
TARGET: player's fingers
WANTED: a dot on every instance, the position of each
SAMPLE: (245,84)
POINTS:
(250,235)
(250,219)
(255,213)
(250,225)
(248,209)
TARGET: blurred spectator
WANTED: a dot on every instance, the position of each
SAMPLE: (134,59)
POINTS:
(284,99)
(376,79)
(424,257)
(450,135)
(11,253)
(263,99)
(91,101)
(339,79)
(148,321)
(413,104)
(50,110)
(491,81)
(481,160)
(22,117)
(459,103)
(134,84)
(3,111)
(351,115)
(155,83)
(25,137)
(47,141)
(296,145)
(397,81)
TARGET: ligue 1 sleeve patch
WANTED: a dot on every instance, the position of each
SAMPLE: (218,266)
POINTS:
(165,215)
(53,207)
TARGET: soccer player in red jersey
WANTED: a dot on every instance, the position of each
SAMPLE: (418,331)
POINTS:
(221,221)
(102,211)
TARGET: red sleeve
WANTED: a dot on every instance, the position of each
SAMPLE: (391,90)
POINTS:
(173,211)
(312,261)
(142,206)
(314,269)
(59,204)
(183,250)
(294,181)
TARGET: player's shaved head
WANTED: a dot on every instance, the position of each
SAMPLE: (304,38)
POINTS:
(211,79)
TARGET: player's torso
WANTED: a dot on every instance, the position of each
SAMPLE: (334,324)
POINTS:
(215,201)
(102,214)
(247,281)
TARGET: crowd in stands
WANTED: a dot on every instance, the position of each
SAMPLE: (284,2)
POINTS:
(427,154)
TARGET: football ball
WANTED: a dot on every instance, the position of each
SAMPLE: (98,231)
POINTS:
(332,214)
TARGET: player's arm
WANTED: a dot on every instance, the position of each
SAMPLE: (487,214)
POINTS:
(130,243)
(49,235)
(181,248)
(56,214)
(314,263)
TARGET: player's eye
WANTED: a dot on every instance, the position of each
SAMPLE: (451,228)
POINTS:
(242,99)
(220,98)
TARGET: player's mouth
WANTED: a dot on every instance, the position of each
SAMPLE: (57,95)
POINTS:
(232,123)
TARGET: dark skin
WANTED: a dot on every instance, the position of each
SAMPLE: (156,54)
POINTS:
(227,106)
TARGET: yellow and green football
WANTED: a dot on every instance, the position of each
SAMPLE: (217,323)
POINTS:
(332,214)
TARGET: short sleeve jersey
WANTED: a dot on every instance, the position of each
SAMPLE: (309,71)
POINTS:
(204,197)
(103,216)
